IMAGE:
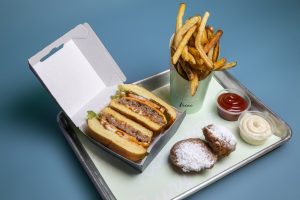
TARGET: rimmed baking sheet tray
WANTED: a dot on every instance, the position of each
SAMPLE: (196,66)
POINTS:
(115,180)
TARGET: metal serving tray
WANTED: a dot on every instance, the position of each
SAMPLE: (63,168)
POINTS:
(106,177)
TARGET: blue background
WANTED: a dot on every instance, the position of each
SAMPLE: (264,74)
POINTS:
(37,162)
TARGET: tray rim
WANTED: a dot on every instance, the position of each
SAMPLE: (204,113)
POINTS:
(84,159)
(100,183)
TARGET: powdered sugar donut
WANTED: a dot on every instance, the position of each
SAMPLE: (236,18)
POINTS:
(192,155)
(220,139)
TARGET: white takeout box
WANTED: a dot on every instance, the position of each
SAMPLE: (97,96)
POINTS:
(81,75)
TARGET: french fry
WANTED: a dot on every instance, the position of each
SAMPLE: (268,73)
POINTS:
(172,51)
(220,63)
(203,55)
(187,56)
(196,56)
(178,66)
(209,32)
(191,42)
(190,74)
(180,71)
(182,44)
(210,53)
(184,29)
(180,14)
(198,45)
(228,65)
(194,85)
(194,51)
(209,47)
(214,39)
(204,39)
(216,52)
(201,29)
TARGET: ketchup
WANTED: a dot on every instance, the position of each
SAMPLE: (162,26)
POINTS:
(232,105)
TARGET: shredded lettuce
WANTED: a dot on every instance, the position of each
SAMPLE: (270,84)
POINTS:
(91,114)
(119,93)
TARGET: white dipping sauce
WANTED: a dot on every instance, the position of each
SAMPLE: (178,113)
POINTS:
(254,129)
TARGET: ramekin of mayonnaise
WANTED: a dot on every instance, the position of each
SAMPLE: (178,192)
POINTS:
(255,127)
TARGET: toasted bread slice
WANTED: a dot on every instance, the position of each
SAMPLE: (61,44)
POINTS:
(115,142)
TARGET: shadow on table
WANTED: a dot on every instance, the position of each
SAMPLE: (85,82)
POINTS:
(33,107)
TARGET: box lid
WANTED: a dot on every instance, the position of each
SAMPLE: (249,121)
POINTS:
(78,71)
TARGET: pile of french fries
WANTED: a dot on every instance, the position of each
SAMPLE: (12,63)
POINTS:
(195,49)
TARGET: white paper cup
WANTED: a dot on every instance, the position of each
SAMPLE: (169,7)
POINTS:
(180,91)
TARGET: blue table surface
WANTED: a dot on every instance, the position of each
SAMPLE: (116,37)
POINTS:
(36,160)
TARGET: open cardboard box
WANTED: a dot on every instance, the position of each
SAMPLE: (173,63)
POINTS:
(81,75)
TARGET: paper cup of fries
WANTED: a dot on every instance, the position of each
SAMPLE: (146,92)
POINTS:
(194,49)
(181,89)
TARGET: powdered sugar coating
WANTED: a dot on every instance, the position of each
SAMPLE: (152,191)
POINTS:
(223,134)
(193,156)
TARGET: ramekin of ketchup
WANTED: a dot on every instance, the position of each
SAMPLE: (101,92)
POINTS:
(231,103)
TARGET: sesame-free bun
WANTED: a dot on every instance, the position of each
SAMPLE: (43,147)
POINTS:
(115,142)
